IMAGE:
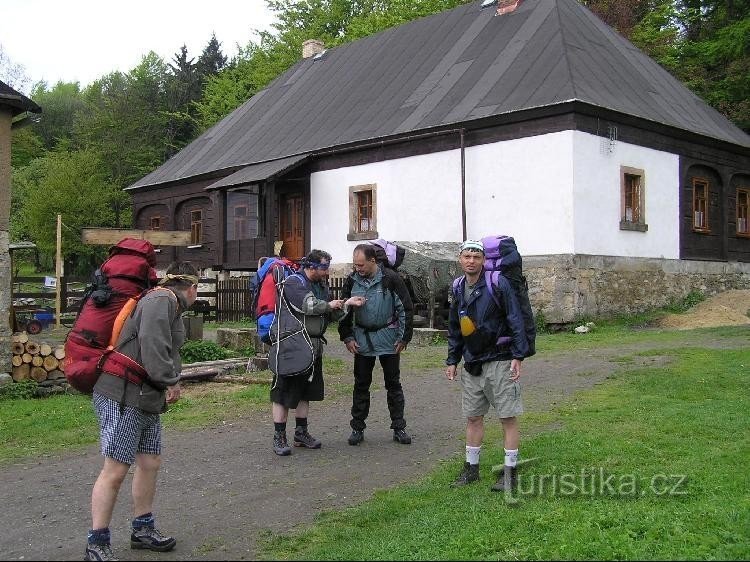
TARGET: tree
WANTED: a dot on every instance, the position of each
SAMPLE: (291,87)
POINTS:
(63,183)
(13,74)
(126,118)
(61,106)
(25,147)
(212,60)
(183,90)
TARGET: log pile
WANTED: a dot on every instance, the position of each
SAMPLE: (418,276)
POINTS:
(38,361)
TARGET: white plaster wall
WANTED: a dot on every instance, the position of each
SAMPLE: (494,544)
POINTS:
(418,198)
(557,193)
(597,199)
(523,188)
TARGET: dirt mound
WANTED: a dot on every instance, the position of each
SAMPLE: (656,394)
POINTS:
(730,308)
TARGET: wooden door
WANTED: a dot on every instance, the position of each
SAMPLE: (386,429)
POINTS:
(293,226)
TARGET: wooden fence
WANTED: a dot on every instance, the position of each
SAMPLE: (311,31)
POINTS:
(233,297)
(221,301)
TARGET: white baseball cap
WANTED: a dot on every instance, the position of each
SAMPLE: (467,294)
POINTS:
(472,246)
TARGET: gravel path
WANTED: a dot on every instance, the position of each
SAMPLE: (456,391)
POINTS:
(221,488)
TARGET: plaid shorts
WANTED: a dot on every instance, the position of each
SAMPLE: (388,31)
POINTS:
(127,431)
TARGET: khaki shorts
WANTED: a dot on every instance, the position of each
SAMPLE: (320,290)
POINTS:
(492,387)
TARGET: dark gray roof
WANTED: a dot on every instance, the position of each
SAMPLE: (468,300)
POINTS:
(258,172)
(449,68)
(16,100)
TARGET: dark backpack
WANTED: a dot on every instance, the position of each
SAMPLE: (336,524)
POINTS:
(292,351)
(263,292)
(89,347)
(388,254)
(502,258)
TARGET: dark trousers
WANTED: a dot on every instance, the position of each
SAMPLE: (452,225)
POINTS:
(363,366)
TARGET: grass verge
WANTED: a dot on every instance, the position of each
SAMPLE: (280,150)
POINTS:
(648,465)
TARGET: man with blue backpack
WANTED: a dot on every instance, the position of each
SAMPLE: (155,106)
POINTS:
(302,313)
(486,328)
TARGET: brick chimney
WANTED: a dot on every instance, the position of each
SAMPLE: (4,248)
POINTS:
(507,6)
(312,47)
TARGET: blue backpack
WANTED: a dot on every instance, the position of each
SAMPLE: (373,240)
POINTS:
(263,288)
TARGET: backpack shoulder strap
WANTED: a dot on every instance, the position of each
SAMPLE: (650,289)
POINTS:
(457,285)
(128,309)
(491,279)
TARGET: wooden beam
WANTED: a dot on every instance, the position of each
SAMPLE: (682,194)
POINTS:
(111,236)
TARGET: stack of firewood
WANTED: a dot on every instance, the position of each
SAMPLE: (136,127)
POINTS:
(37,361)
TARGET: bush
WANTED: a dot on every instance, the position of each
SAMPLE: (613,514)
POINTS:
(687,302)
(22,389)
(194,351)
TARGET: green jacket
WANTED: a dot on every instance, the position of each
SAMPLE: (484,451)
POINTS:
(385,318)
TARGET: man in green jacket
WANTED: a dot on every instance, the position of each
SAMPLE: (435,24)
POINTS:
(381,328)
(130,426)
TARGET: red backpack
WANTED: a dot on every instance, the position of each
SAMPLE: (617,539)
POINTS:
(89,348)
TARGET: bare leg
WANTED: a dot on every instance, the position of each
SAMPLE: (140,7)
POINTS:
(474,431)
(280,413)
(303,408)
(104,494)
(511,433)
(144,483)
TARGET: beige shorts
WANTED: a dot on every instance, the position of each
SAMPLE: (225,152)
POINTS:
(492,387)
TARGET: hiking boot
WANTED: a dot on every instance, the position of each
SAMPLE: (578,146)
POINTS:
(469,473)
(151,539)
(507,480)
(401,436)
(357,436)
(304,439)
(99,552)
(281,445)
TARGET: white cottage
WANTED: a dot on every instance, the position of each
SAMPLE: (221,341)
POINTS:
(531,118)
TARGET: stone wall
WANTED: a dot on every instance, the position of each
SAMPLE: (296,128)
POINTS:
(566,288)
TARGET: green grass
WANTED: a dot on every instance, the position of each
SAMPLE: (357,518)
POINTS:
(680,429)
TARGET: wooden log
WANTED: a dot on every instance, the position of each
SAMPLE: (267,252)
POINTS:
(17,348)
(50,363)
(55,375)
(199,375)
(21,373)
(16,360)
(26,357)
(37,361)
(45,349)
(38,374)
(241,379)
(59,353)
(23,337)
(32,347)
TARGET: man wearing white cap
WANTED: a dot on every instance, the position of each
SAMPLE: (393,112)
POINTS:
(487,331)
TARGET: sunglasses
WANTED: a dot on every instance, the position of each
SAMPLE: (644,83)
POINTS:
(321,266)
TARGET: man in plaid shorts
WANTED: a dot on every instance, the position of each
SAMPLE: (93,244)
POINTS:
(129,412)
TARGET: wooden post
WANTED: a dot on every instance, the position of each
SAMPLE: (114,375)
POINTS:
(58,271)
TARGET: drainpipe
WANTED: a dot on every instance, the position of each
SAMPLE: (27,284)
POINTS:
(463,185)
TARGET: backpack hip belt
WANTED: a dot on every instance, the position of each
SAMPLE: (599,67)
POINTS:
(122,366)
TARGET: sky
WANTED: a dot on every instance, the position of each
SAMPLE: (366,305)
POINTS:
(82,40)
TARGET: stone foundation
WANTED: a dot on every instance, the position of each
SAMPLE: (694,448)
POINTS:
(428,336)
(567,288)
